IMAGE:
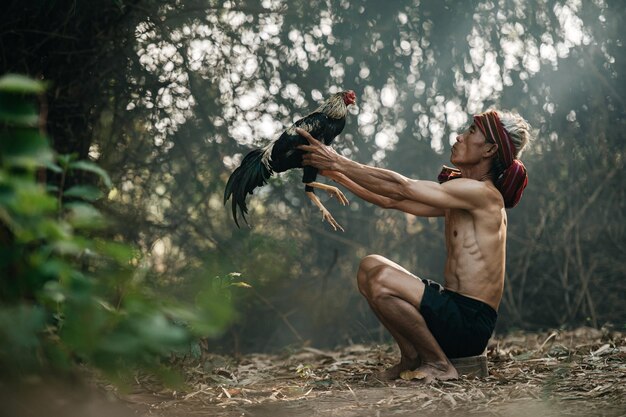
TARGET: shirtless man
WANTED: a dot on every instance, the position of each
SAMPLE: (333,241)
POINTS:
(432,323)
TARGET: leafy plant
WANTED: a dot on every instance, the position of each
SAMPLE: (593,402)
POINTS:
(68,295)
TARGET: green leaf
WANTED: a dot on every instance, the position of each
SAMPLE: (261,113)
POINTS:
(25,148)
(240,284)
(118,251)
(212,313)
(16,83)
(20,327)
(18,110)
(53,291)
(91,167)
(55,269)
(119,343)
(84,216)
(53,167)
(86,192)
(156,330)
(55,230)
(74,246)
(64,160)
(30,199)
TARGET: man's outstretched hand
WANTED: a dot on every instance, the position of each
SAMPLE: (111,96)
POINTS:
(318,155)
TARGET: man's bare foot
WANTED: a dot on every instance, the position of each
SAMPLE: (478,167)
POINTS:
(394,372)
(430,373)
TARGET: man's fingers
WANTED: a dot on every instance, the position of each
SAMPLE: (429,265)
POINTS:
(306,159)
(307,136)
(305,147)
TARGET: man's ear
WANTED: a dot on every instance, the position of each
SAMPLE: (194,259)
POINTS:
(491,151)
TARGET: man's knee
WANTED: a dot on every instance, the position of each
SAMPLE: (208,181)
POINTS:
(371,261)
(374,276)
(368,264)
(380,283)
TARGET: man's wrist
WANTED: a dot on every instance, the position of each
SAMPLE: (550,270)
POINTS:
(341,163)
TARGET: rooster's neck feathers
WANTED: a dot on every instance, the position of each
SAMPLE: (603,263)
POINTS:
(334,107)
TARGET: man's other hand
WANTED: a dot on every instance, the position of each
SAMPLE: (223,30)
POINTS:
(318,155)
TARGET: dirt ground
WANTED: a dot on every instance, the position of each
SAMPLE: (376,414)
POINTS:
(580,372)
(559,373)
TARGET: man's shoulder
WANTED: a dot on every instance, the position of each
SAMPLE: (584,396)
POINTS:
(483,193)
(485,188)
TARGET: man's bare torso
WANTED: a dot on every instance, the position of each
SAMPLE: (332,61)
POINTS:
(476,244)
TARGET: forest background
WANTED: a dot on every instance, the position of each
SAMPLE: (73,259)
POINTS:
(167,96)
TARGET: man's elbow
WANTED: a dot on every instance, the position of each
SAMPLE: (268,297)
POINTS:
(404,191)
(388,203)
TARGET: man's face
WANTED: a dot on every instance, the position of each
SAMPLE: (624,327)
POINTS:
(470,147)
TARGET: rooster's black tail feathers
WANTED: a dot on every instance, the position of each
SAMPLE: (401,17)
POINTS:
(251,173)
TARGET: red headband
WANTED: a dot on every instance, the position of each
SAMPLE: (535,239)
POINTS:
(513,179)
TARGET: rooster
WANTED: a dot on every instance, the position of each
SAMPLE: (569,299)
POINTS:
(325,123)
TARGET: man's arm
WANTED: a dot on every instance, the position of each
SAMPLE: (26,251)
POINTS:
(411,207)
(461,193)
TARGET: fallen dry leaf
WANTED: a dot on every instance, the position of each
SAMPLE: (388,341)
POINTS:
(409,375)
(579,372)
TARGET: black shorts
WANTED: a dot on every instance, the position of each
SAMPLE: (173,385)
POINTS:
(461,325)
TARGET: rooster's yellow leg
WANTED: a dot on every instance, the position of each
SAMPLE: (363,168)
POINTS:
(325,213)
(332,191)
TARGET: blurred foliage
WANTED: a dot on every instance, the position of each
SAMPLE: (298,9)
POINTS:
(68,295)
(168,95)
